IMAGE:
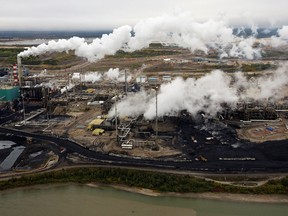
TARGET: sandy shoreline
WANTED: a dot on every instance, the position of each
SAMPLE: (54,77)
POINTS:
(252,198)
(213,196)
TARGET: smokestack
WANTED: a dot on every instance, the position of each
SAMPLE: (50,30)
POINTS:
(20,74)
(15,79)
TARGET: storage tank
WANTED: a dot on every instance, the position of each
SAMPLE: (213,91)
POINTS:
(9,93)
(141,79)
(166,78)
(153,79)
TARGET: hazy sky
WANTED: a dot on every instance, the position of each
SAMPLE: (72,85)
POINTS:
(107,14)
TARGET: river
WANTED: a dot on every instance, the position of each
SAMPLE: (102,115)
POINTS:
(76,200)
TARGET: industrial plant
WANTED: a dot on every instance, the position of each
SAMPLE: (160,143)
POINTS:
(164,107)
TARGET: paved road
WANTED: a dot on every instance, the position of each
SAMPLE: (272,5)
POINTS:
(209,166)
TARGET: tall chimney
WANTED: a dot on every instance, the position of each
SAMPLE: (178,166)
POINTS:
(20,72)
(15,79)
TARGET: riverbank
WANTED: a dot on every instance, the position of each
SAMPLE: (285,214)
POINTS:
(156,184)
(251,198)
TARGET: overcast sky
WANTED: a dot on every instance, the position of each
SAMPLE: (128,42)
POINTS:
(108,14)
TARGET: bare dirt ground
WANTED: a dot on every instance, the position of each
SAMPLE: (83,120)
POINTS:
(265,131)
(76,128)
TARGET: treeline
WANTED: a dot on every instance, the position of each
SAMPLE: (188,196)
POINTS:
(162,182)
(256,67)
(142,53)
(9,55)
(35,60)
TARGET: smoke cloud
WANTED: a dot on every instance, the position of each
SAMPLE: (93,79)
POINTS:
(91,77)
(67,88)
(117,75)
(112,74)
(281,40)
(206,94)
(107,45)
(180,29)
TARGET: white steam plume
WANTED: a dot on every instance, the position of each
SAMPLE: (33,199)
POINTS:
(107,45)
(117,75)
(180,29)
(91,77)
(112,75)
(267,87)
(67,88)
(204,94)
(280,40)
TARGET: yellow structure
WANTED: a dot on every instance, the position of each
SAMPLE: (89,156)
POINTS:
(97,132)
(90,90)
(95,123)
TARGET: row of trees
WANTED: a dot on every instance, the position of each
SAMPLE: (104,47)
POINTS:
(142,53)
(162,182)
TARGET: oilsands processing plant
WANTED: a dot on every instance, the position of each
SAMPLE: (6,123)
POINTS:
(163,107)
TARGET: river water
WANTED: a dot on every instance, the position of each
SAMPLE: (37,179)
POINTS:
(77,200)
